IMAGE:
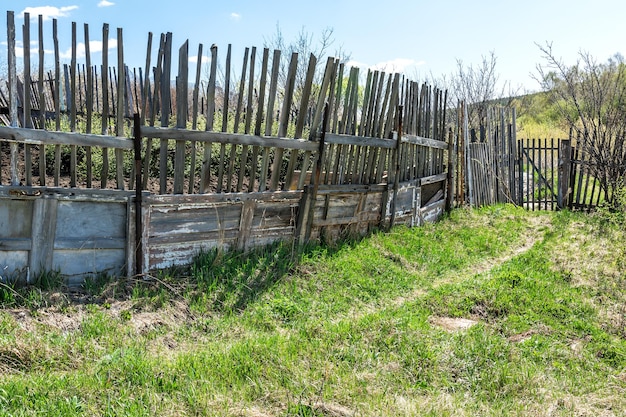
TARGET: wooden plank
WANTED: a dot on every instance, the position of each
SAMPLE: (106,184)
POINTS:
(248,123)
(146,87)
(245,224)
(342,139)
(336,98)
(433,179)
(42,103)
(13,113)
(153,108)
(194,120)
(430,143)
(72,99)
(205,180)
(225,111)
(269,118)
(165,97)
(89,103)
(182,93)
(259,114)
(325,92)
(104,173)
(238,109)
(234,198)
(38,137)
(302,114)
(262,85)
(227,138)
(28,122)
(380,132)
(284,120)
(119,124)
(433,212)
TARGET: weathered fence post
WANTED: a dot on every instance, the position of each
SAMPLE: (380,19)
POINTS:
(451,170)
(138,192)
(15,177)
(565,164)
(468,158)
(396,175)
(307,204)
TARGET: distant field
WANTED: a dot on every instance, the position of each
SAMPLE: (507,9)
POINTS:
(489,312)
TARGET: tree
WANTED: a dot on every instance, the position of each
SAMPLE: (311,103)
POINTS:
(476,85)
(304,44)
(591,98)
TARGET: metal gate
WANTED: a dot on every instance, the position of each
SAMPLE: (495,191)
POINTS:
(539,173)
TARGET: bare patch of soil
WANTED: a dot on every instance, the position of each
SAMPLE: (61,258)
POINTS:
(452,324)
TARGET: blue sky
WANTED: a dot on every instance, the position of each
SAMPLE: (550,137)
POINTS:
(416,37)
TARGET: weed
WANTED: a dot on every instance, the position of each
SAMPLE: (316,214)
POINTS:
(353,329)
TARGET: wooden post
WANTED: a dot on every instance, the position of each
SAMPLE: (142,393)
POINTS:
(104,173)
(451,170)
(119,124)
(138,192)
(565,162)
(182,90)
(468,159)
(396,176)
(307,213)
(15,178)
(43,232)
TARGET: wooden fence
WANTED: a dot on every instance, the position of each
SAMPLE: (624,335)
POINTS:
(538,174)
(213,163)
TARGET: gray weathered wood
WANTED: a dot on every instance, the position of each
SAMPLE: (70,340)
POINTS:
(43,234)
(42,103)
(15,177)
(104,172)
(119,124)
(166,101)
(283,123)
(38,137)
(182,93)
(28,122)
(225,111)
(205,181)
(226,138)
(89,103)
(245,224)
(269,118)
(233,149)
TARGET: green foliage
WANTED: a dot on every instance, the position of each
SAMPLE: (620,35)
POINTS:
(353,329)
(539,118)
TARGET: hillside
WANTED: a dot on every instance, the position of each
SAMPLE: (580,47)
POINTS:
(496,311)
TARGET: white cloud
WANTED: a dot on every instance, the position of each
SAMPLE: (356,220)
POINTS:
(235,16)
(105,3)
(94,47)
(48,12)
(394,65)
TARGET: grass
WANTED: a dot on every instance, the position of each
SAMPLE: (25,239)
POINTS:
(365,328)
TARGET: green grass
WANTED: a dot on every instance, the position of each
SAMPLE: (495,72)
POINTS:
(353,329)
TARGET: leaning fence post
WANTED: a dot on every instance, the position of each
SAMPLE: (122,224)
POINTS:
(565,164)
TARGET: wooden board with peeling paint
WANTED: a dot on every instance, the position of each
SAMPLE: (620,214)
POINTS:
(77,233)
(179,227)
